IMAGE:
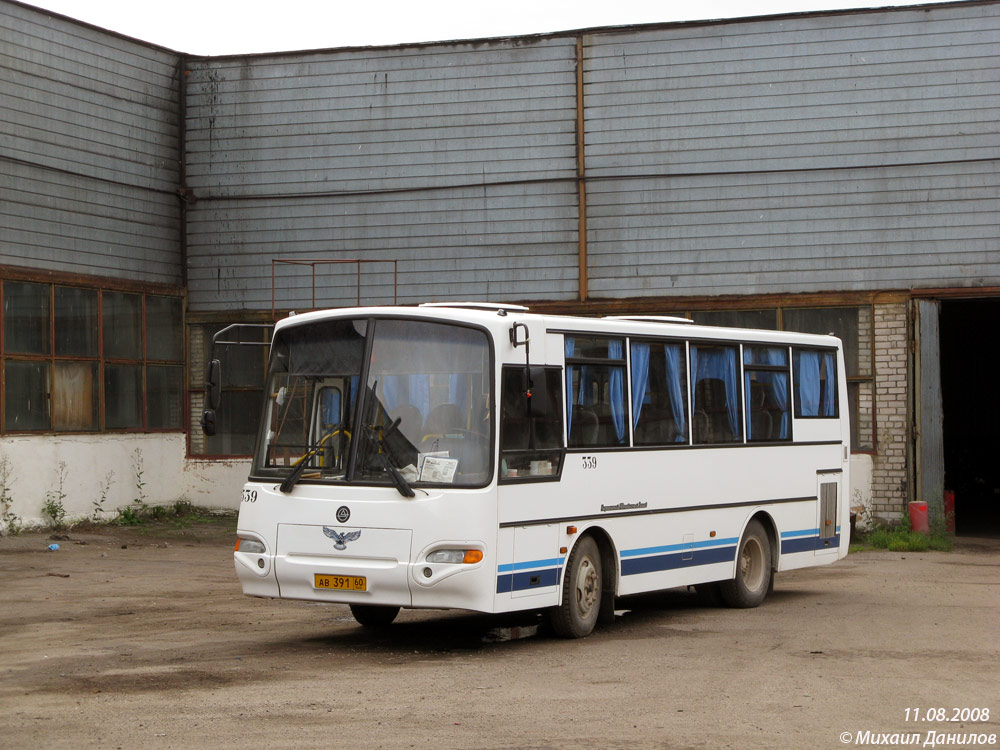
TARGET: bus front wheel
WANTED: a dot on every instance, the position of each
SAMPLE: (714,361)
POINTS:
(374,616)
(577,615)
(753,569)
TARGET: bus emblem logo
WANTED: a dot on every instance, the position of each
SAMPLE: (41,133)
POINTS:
(340,540)
(343,514)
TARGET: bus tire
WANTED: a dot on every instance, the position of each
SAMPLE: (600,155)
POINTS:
(577,615)
(373,615)
(753,569)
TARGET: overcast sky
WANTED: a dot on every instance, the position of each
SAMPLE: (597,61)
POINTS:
(222,27)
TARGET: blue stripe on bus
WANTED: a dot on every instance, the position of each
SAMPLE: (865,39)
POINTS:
(801,532)
(677,547)
(653,559)
(530,580)
(510,567)
(653,563)
(809,544)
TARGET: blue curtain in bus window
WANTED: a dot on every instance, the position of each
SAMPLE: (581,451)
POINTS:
(420,393)
(640,378)
(807,383)
(407,389)
(719,363)
(569,347)
(829,386)
(331,406)
(395,391)
(617,390)
(458,392)
(675,389)
(779,382)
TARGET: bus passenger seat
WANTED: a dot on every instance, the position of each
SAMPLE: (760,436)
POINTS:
(443,419)
(586,426)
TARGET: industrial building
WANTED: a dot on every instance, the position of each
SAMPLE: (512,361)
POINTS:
(822,172)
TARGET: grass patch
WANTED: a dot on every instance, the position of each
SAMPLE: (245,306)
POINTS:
(153,520)
(903,540)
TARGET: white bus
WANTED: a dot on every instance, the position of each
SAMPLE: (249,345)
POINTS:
(481,457)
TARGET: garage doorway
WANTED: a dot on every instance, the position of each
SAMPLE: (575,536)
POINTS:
(970,390)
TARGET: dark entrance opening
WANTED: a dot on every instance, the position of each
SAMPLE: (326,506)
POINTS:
(970,385)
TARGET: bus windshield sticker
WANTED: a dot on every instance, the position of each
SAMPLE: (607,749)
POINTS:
(441,470)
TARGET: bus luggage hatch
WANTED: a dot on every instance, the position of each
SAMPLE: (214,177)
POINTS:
(829,502)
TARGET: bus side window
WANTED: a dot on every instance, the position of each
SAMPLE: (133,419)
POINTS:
(815,375)
(659,393)
(595,387)
(530,428)
(765,383)
(715,394)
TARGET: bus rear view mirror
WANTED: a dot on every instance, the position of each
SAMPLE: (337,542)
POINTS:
(213,386)
(208,422)
(213,394)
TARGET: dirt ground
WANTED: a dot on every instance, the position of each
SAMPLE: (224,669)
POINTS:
(134,638)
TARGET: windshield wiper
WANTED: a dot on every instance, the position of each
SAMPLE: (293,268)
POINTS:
(291,480)
(397,479)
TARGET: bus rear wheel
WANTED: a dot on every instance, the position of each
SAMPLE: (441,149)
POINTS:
(373,615)
(753,569)
(577,615)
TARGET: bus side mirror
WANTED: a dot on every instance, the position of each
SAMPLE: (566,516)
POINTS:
(213,392)
(213,386)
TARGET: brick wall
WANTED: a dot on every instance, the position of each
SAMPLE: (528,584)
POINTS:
(889,471)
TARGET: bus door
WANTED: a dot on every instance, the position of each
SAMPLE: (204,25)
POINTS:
(531,459)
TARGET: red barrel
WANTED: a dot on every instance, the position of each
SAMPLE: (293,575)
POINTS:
(918,517)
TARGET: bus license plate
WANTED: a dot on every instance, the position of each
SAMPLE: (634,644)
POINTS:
(340,583)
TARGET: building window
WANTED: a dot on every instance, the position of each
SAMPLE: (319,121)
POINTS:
(67,350)
(763,319)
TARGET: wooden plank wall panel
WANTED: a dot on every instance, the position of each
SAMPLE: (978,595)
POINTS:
(89,150)
(413,117)
(834,152)
(860,229)
(497,242)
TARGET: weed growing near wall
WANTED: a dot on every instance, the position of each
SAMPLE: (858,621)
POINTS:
(54,508)
(103,492)
(9,520)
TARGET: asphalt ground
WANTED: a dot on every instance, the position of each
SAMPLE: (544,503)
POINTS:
(136,638)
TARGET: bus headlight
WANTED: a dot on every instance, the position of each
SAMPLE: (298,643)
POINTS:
(250,546)
(456,556)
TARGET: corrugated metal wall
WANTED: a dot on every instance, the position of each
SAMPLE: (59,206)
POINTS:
(819,152)
(844,151)
(89,148)
(457,160)
(834,152)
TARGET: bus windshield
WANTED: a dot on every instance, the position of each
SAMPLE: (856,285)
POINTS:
(421,416)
